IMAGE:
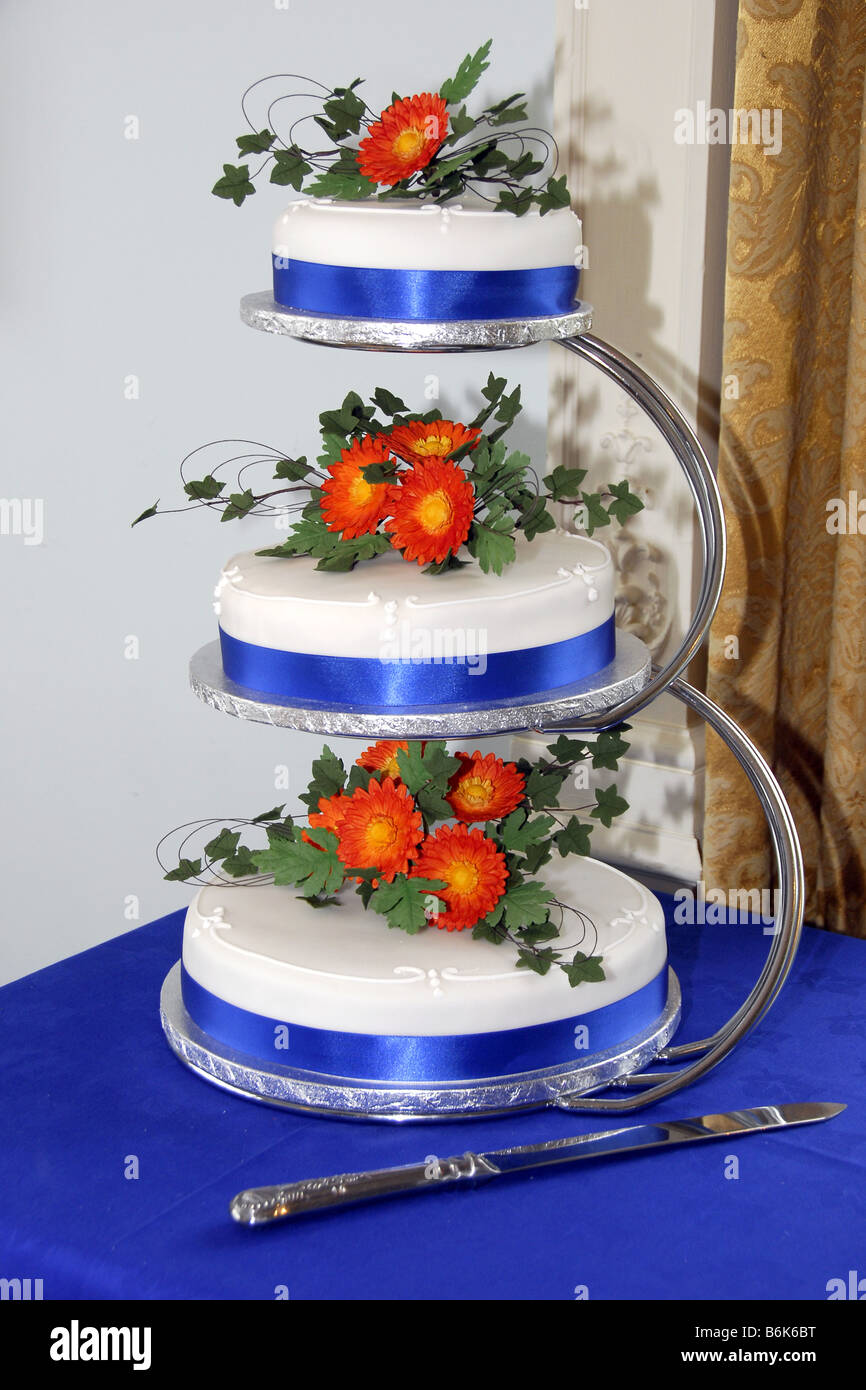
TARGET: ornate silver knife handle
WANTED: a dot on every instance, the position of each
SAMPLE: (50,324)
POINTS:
(258,1205)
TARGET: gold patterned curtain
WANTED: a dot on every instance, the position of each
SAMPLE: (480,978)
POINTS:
(788,648)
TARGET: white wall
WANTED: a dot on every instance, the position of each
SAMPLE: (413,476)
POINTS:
(115,261)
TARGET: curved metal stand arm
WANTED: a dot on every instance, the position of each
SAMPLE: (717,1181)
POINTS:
(787,927)
(699,475)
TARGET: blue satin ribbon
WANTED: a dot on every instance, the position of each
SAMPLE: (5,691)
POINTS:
(360,680)
(429,295)
(399,1058)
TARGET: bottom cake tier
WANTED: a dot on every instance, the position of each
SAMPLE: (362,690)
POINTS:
(331,1010)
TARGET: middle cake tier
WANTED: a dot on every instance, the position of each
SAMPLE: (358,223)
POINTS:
(392,636)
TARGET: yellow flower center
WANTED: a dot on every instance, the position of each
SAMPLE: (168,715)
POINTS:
(435,445)
(409,144)
(360,491)
(464,877)
(434,511)
(391,767)
(476,791)
(381,834)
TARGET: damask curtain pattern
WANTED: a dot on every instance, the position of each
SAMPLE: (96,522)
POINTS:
(788,648)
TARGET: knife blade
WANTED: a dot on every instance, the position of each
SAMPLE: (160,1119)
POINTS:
(260,1206)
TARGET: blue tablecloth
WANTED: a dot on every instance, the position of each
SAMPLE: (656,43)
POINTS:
(88,1085)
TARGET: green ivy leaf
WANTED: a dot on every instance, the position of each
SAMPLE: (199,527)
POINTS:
(223,845)
(537,855)
(535,518)
(489,930)
(461,124)
(539,960)
(186,869)
(523,167)
(573,838)
(596,515)
(555,195)
(294,470)
(543,786)
(344,112)
(563,484)
(405,902)
(241,865)
(235,183)
(533,936)
(567,750)
(507,112)
(388,403)
(290,168)
(610,746)
(205,489)
(449,563)
(609,805)
(465,80)
(240,503)
(256,143)
(274,814)
(584,968)
(518,203)
(625,504)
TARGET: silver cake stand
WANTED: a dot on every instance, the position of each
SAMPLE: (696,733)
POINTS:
(618,692)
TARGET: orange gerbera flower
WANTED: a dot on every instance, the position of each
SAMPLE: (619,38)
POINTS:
(439,439)
(431,510)
(350,504)
(404,139)
(484,788)
(381,829)
(382,757)
(471,866)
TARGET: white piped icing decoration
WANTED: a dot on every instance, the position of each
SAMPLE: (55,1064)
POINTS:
(214,921)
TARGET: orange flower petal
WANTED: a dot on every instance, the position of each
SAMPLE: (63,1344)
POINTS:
(431,511)
(350,504)
(439,439)
(484,788)
(472,867)
(382,756)
(404,139)
(381,829)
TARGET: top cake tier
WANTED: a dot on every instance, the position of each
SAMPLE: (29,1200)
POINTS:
(419,261)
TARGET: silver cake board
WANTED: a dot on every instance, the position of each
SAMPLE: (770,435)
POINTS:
(338,1098)
(391,335)
(626,675)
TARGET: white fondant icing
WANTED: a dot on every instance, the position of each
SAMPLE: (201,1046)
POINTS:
(422,236)
(289,605)
(343,968)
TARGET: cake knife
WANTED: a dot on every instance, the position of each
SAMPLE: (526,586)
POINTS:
(259,1206)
